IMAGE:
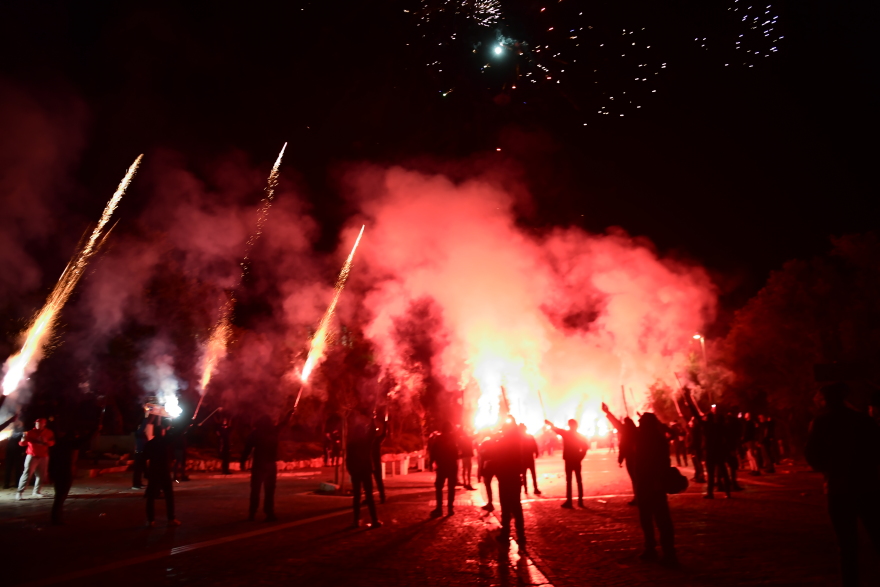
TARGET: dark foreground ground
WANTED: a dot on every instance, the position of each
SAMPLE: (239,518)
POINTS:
(776,532)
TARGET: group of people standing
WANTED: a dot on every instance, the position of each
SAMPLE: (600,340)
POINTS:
(720,444)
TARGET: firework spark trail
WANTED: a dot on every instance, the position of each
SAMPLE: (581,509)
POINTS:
(21,364)
(215,349)
(319,341)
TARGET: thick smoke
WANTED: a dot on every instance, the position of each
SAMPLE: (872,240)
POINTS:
(42,138)
(169,275)
(572,314)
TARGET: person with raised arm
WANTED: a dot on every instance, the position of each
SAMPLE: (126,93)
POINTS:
(574,449)
(650,467)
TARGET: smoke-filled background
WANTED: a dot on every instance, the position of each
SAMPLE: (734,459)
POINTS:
(557,214)
(560,311)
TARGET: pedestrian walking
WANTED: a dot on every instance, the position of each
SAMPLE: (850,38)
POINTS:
(359,460)
(36,462)
(443,454)
(158,458)
(263,442)
(508,468)
(844,445)
(529,454)
(574,449)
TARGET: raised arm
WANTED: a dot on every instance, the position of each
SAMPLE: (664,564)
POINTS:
(558,431)
(691,403)
(618,425)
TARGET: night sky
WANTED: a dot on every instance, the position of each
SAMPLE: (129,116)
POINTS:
(733,146)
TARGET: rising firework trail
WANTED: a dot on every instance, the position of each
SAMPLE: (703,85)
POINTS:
(215,349)
(21,364)
(319,341)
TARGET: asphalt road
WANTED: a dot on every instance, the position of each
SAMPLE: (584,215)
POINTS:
(776,532)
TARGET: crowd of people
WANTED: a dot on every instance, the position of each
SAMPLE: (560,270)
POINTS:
(843,444)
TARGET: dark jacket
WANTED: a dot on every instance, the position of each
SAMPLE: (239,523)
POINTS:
(508,455)
(263,441)
(443,450)
(845,446)
(574,445)
(651,460)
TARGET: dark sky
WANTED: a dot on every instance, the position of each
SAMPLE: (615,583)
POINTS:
(737,167)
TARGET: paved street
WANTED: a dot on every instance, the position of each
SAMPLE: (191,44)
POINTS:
(774,533)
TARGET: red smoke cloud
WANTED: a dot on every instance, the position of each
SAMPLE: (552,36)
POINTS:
(572,314)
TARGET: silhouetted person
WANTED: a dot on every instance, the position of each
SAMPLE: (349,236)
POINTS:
(263,442)
(732,431)
(62,466)
(508,468)
(529,454)
(695,448)
(14,454)
(335,447)
(140,459)
(650,468)
(381,432)
(466,452)
(443,451)
(626,431)
(158,457)
(360,444)
(678,444)
(717,455)
(715,442)
(486,468)
(574,449)
(327,447)
(845,446)
(767,440)
(224,443)
(750,439)
(36,462)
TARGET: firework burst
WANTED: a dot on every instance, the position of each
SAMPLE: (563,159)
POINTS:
(319,341)
(21,364)
(215,349)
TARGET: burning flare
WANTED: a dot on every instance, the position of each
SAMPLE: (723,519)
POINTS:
(319,341)
(215,350)
(23,363)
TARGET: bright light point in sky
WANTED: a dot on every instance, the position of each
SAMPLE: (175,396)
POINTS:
(498,50)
